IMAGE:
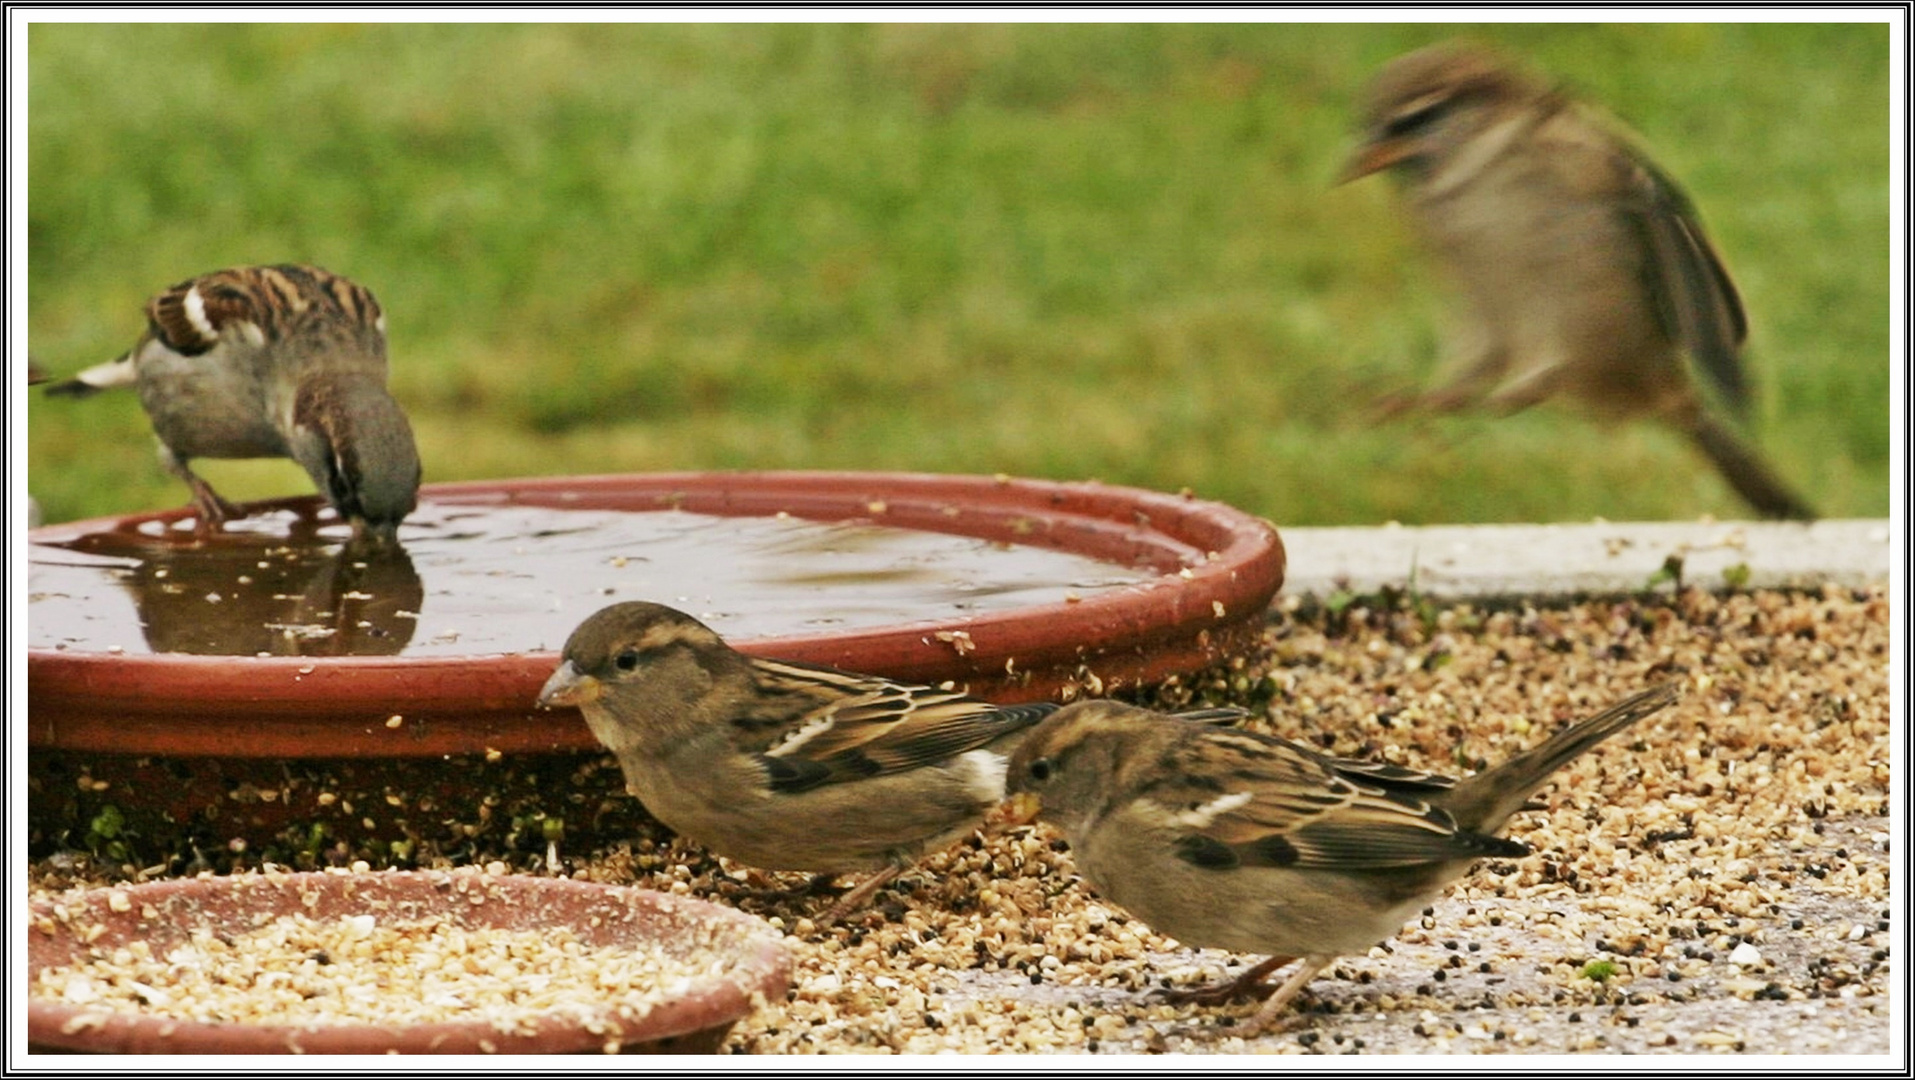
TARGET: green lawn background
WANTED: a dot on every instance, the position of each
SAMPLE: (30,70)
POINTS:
(1080,251)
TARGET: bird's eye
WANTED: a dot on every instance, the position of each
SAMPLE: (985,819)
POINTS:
(1416,120)
(627,660)
(1040,769)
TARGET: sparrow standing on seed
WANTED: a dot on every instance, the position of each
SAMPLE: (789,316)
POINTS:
(1584,268)
(273,361)
(782,765)
(1241,841)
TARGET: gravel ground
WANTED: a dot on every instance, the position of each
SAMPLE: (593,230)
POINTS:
(1714,881)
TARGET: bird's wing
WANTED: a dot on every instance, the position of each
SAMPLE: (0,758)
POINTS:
(860,725)
(250,306)
(1696,301)
(194,315)
(1390,777)
(260,303)
(1218,715)
(1240,799)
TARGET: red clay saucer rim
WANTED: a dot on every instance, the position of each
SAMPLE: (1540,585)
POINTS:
(710,1004)
(1219,569)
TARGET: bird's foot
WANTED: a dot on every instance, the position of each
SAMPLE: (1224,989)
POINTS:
(1265,1021)
(763,886)
(1250,984)
(859,896)
(1391,405)
(210,512)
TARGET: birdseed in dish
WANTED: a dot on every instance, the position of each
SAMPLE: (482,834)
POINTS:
(301,972)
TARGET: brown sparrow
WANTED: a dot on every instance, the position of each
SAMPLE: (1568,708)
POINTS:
(1584,268)
(273,361)
(1236,840)
(782,765)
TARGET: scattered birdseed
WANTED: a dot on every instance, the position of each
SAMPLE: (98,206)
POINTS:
(1713,825)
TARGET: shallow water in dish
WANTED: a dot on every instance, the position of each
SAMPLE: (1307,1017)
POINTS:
(514,578)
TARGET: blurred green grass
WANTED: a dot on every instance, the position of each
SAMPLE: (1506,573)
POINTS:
(1108,251)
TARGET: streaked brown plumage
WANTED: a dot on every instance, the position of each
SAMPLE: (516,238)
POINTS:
(1242,841)
(782,765)
(1584,269)
(272,361)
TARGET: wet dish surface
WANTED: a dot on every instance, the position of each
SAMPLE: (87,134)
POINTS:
(511,578)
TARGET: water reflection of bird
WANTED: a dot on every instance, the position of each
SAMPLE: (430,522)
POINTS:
(1584,268)
(248,594)
(272,361)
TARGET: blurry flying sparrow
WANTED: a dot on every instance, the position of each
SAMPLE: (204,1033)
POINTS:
(273,361)
(1236,840)
(1583,267)
(782,765)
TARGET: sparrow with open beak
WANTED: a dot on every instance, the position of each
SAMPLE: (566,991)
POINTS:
(1584,269)
(1236,840)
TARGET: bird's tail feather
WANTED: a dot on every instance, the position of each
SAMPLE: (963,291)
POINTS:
(1747,473)
(1485,801)
(107,376)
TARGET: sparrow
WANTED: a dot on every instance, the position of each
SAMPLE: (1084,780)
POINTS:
(1238,840)
(784,765)
(272,361)
(1584,269)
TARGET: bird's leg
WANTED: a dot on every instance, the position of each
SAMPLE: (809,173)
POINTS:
(304,527)
(1304,973)
(819,885)
(209,510)
(1393,404)
(857,897)
(1459,393)
(1249,984)
(1533,385)
(762,886)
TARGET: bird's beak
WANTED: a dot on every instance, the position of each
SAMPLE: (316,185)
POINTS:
(1019,809)
(374,541)
(1374,157)
(570,686)
(379,534)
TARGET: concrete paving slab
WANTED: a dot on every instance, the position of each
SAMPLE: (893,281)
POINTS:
(1601,557)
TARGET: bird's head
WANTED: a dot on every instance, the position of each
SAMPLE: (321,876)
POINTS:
(1426,104)
(636,667)
(355,442)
